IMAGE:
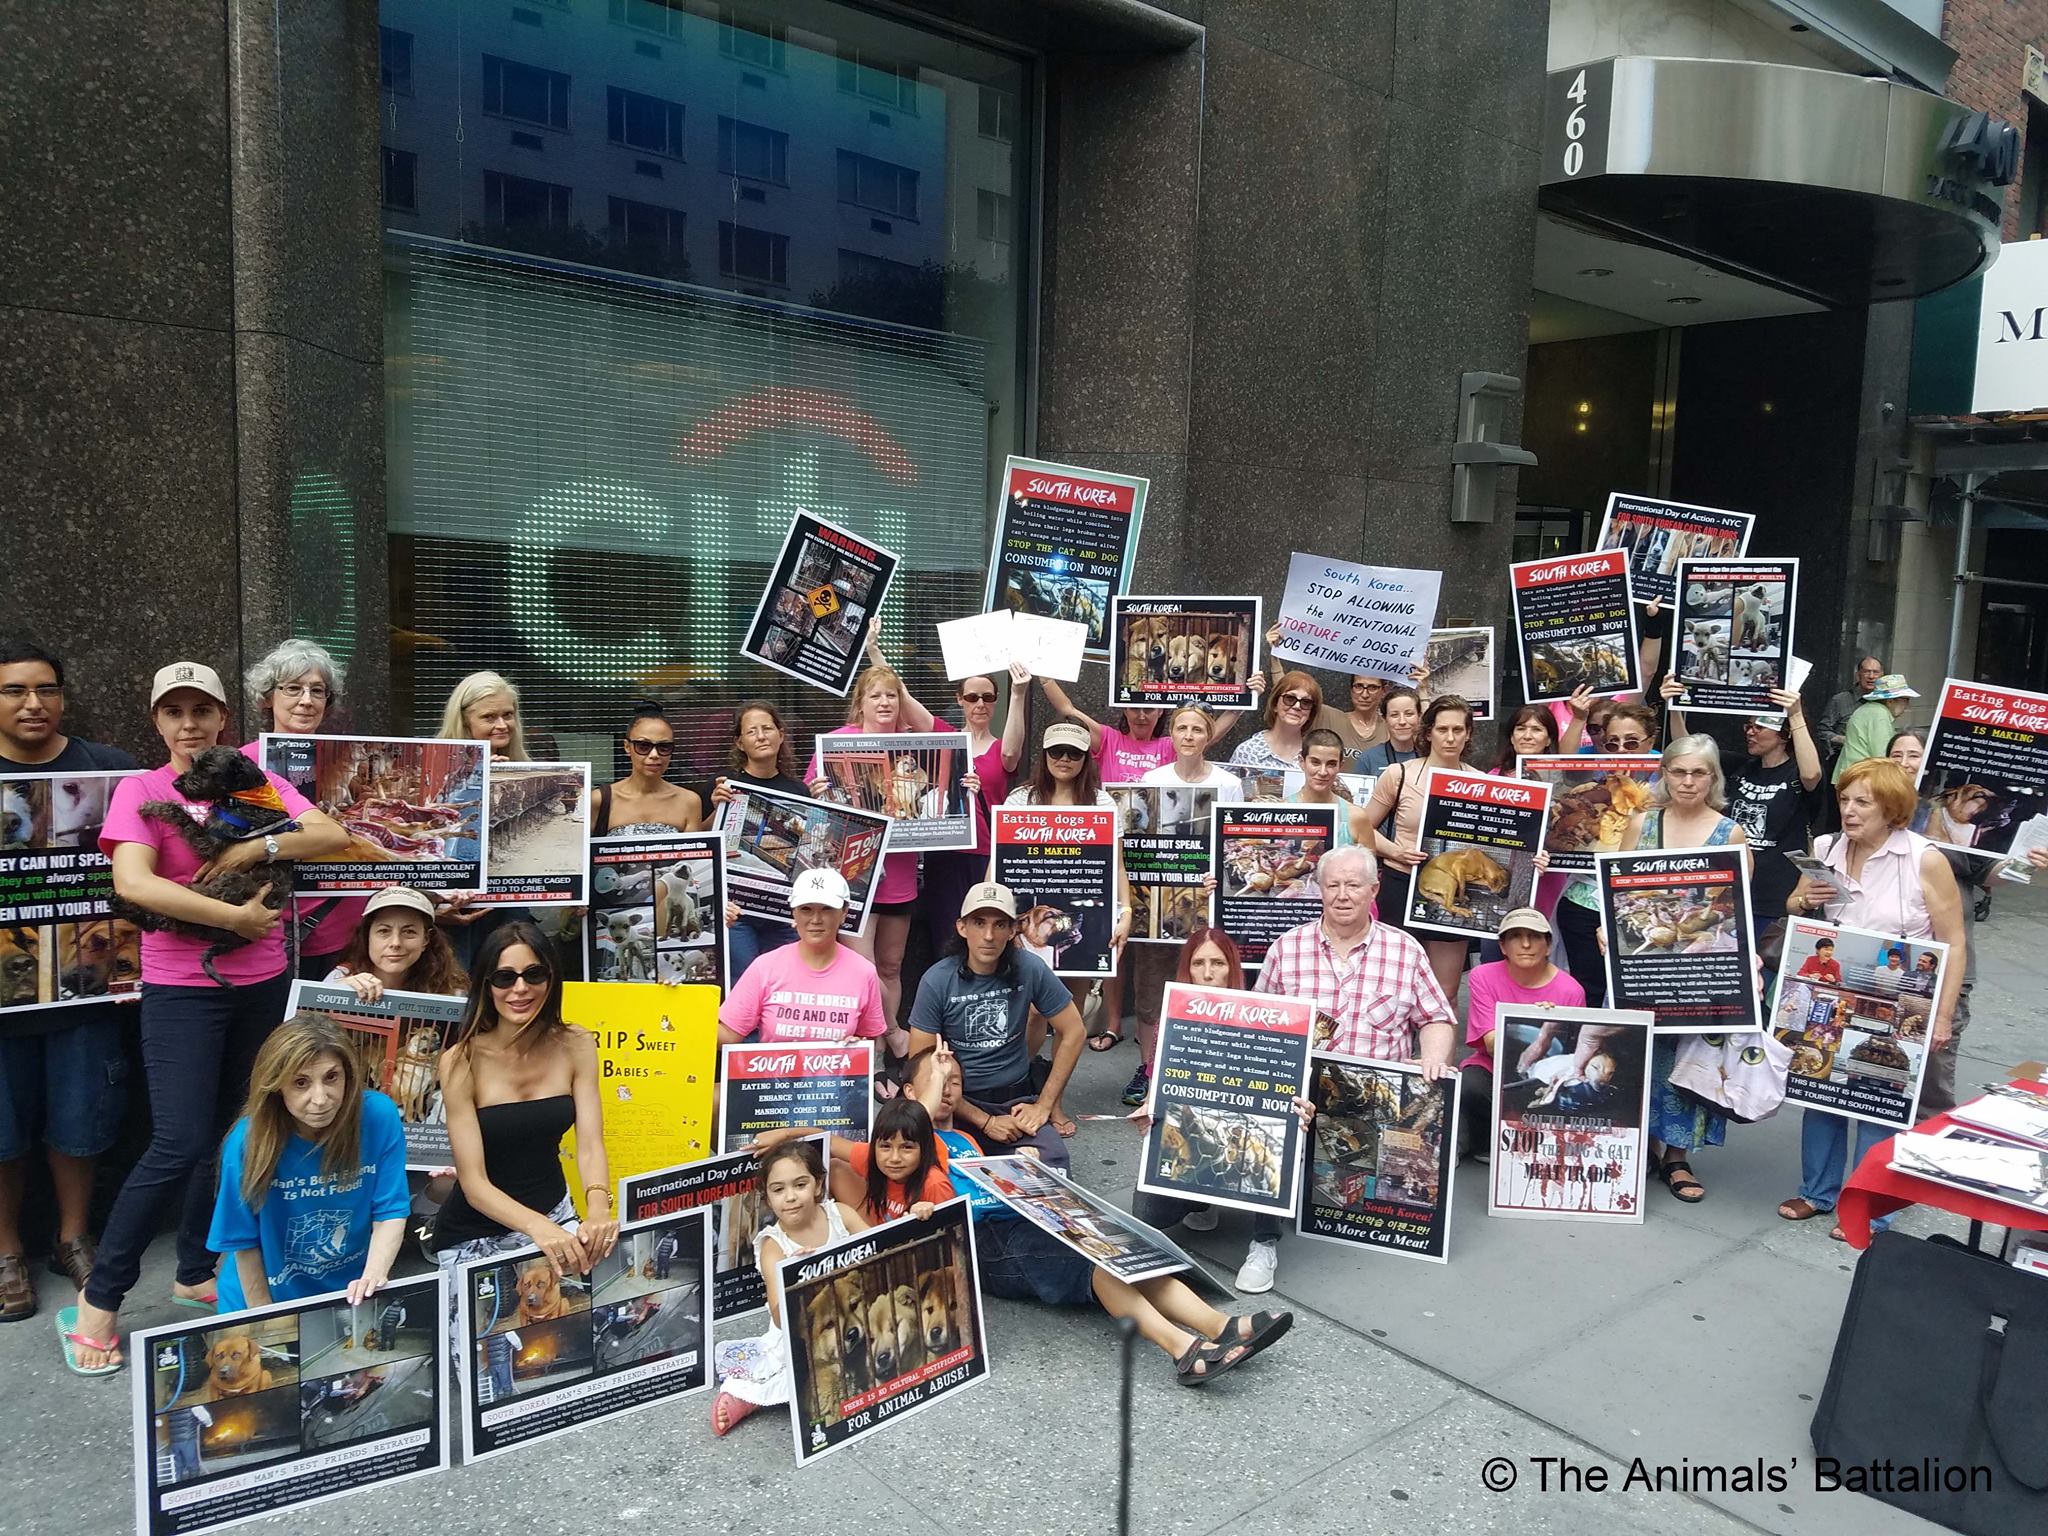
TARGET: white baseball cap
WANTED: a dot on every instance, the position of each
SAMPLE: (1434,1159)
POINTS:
(186,674)
(989,896)
(819,888)
(400,896)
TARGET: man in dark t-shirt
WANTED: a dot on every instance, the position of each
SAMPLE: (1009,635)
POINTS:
(1775,794)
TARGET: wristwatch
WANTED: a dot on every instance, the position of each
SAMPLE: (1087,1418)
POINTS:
(269,846)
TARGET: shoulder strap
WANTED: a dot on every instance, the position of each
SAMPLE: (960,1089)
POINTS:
(604,810)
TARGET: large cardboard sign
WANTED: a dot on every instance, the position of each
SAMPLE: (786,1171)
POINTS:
(1677,928)
(540,836)
(1183,650)
(657,910)
(1482,834)
(400,1038)
(1984,776)
(1731,641)
(1383,1145)
(1066,539)
(1571,1107)
(1575,626)
(656,1049)
(826,586)
(59,940)
(1347,617)
(416,810)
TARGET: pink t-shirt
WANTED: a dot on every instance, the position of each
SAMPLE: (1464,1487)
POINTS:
(1124,759)
(899,870)
(331,934)
(784,999)
(995,784)
(172,959)
(1488,986)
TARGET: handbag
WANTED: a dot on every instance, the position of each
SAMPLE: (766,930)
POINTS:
(1770,946)
(1741,1075)
(1938,1370)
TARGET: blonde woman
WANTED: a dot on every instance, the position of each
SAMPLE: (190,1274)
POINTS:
(485,707)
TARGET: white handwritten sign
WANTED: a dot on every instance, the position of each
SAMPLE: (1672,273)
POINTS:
(1370,619)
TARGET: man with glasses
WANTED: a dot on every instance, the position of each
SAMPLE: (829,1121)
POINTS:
(62,1070)
(1834,720)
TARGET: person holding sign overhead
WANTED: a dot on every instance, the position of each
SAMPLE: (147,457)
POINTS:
(948,875)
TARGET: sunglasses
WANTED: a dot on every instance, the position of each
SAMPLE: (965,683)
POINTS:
(504,978)
(977,698)
(1296,700)
(1626,743)
(1066,754)
(641,748)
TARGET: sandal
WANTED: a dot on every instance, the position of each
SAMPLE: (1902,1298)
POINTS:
(74,1260)
(17,1290)
(1205,1360)
(1063,1123)
(210,1302)
(1105,1039)
(1799,1208)
(1692,1191)
(1261,1330)
(1837,1233)
(73,1341)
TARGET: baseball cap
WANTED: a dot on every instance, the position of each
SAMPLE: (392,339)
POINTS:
(1065,733)
(1528,920)
(989,894)
(1893,685)
(186,674)
(400,896)
(819,887)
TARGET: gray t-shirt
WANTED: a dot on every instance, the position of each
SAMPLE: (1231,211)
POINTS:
(981,1018)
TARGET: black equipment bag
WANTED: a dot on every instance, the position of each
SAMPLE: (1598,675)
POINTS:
(1941,1367)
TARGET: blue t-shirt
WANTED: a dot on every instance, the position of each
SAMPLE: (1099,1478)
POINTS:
(982,1017)
(981,1205)
(314,1231)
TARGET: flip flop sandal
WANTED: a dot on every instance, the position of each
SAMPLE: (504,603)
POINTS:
(1105,1040)
(1268,1328)
(1066,1126)
(1214,1359)
(73,1341)
(207,1303)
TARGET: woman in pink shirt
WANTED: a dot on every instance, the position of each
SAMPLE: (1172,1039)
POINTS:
(198,1038)
(1523,977)
(949,876)
(815,989)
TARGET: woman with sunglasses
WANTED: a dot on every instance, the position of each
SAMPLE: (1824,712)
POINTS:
(515,1080)
(1358,723)
(644,803)
(949,876)
(1400,791)
(1292,705)
(1612,725)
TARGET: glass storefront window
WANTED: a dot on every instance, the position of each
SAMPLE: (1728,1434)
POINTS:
(658,273)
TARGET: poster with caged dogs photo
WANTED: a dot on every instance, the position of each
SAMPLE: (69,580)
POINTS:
(540,836)
(881,1325)
(1731,640)
(657,909)
(61,942)
(416,810)
(1167,651)
(400,1038)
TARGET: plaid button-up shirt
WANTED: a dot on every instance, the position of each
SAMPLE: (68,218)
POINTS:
(1373,1000)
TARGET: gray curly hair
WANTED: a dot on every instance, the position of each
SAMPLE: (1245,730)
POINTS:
(288,660)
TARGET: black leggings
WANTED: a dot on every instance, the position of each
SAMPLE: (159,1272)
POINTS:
(1580,928)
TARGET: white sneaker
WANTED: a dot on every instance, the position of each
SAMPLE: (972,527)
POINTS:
(1261,1263)
(1201,1219)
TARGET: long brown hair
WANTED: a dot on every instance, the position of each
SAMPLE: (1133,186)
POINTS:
(437,970)
(785,756)
(480,1017)
(1086,787)
(1202,934)
(1294,682)
(294,1045)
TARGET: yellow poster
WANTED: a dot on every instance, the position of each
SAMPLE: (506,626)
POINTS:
(657,1049)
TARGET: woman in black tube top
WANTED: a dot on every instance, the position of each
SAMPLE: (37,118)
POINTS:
(513,1082)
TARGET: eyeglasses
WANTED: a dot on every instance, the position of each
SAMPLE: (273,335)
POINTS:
(1688,773)
(640,748)
(505,977)
(14,693)
(301,690)
(977,698)
(1065,754)
(1625,743)
(1367,685)
(1296,700)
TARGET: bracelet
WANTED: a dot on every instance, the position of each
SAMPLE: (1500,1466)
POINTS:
(598,1189)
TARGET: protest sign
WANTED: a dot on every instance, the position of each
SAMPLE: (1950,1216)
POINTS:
(1460,662)
(1372,619)
(256,1413)
(1592,796)
(1731,641)
(399,1039)
(771,838)
(1856,1007)
(826,585)
(1383,1144)
(1105,1235)
(1165,840)
(728,1187)
(60,942)
(1677,926)
(657,909)
(1168,651)
(910,777)
(1066,539)
(540,836)
(1985,772)
(1265,858)
(1571,1114)
(1227,1070)
(542,1354)
(919,1272)
(828,1086)
(1059,861)
(1575,626)
(1656,534)
(656,1051)
(415,810)
(1481,835)
(984,645)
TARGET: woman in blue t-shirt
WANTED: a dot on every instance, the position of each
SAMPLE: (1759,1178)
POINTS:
(312,1177)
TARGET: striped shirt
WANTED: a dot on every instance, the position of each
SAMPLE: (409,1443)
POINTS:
(1374,1000)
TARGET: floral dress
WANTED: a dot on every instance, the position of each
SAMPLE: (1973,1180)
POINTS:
(757,1369)
(1677,1121)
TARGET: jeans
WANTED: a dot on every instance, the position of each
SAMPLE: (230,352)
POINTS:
(1162,1211)
(749,939)
(1020,1262)
(198,1044)
(70,1084)
(1823,1157)
(1475,1111)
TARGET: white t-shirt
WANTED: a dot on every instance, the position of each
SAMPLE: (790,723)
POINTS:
(1228,783)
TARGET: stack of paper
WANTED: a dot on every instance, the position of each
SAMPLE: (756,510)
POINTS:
(2002,1170)
(2010,1112)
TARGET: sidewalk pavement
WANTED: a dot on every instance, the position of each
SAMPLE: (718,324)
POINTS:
(1701,1337)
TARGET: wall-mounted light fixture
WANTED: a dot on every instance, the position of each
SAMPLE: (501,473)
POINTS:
(1478,455)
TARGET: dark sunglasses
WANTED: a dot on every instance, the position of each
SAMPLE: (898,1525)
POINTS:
(649,748)
(1626,743)
(1298,700)
(1066,754)
(977,698)
(504,976)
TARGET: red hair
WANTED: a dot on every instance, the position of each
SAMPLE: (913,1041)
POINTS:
(1204,934)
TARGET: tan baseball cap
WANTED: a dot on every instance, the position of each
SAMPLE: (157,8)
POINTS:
(401,896)
(186,674)
(989,895)
(1527,920)
(1065,733)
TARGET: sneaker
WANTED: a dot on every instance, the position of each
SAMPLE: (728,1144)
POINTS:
(1201,1219)
(1261,1263)
(1139,1088)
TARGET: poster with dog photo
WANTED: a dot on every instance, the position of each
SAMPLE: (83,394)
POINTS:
(1066,539)
(657,1056)
(400,1038)
(255,1413)
(1165,840)
(826,1085)
(1381,1150)
(1856,1007)
(1265,858)
(1480,837)
(728,1187)
(1460,662)
(1592,796)
(1571,1114)
(1656,534)
(1183,650)
(911,777)
(1226,1072)
(881,1326)
(1105,1235)
(825,589)
(1985,772)
(544,1353)
(771,838)
(1731,642)
(1059,861)
(540,836)
(657,909)
(60,942)
(1677,931)
(416,811)
(1575,626)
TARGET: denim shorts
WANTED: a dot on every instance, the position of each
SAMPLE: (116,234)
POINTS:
(69,1085)
(1020,1262)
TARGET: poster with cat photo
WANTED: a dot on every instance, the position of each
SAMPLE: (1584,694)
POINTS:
(1571,1106)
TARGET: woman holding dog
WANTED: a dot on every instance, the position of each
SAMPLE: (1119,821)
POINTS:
(644,803)
(1399,792)
(199,1038)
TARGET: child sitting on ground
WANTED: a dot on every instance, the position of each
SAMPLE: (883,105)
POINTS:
(899,1171)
